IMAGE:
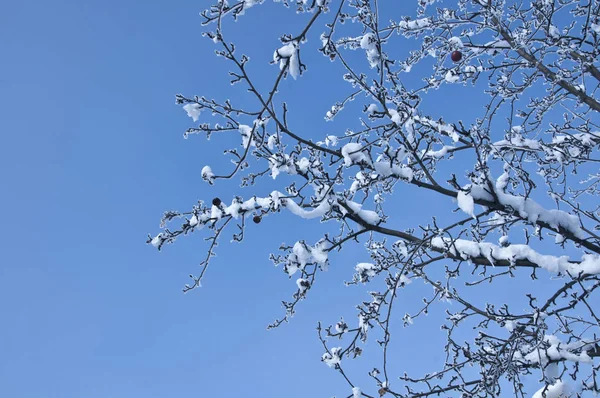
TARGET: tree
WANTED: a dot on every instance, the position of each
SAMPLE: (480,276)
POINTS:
(529,195)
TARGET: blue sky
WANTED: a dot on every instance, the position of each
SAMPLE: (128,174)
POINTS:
(92,153)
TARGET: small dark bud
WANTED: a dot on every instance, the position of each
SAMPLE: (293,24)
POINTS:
(256,219)
(216,202)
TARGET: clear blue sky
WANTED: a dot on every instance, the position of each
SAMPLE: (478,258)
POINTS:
(91,155)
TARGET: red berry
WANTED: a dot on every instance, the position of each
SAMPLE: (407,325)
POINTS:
(256,219)
(456,56)
(216,202)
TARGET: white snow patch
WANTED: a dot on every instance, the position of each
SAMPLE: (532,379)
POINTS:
(369,43)
(353,153)
(288,55)
(272,141)
(451,77)
(331,140)
(556,390)
(440,153)
(372,108)
(207,174)
(416,24)
(317,212)
(333,358)
(455,42)
(193,111)
(303,285)
(385,169)
(590,263)
(368,216)
(246,132)
(532,211)
(466,203)
(365,271)
(157,240)
(554,32)
(510,325)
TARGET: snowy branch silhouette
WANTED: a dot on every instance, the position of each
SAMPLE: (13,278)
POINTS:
(527,208)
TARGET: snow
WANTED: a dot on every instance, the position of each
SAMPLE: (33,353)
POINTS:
(341,326)
(502,181)
(554,32)
(353,154)
(444,128)
(356,392)
(250,3)
(193,221)
(368,216)
(207,174)
(595,27)
(440,153)
(416,24)
(281,163)
(368,42)
(518,141)
(451,77)
(510,325)
(385,169)
(395,116)
(530,210)
(303,285)
(365,271)
(246,132)
(271,141)
(363,324)
(319,254)
(590,264)
(317,212)
(274,197)
(401,245)
(372,108)
(157,240)
(301,253)
(471,70)
(409,126)
(303,165)
(455,42)
(233,210)
(492,46)
(553,350)
(193,111)
(215,213)
(288,55)
(331,140)
(466,203)
(360,180)
(332,359)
